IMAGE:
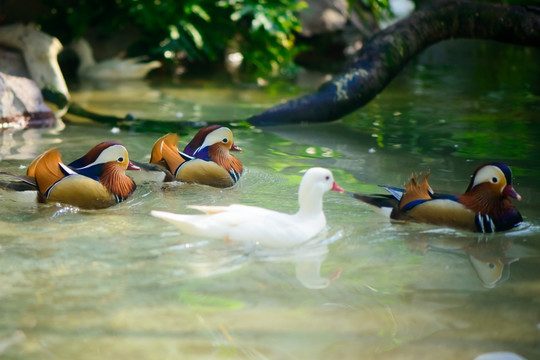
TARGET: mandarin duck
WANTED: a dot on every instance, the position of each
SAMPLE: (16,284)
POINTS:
(95,181)
(205,160)
(268,228)
(484,207)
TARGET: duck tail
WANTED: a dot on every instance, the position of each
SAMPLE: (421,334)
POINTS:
(16,182)
(377,200)
(181,221)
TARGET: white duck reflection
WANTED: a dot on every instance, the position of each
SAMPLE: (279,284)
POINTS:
(207,258)
(308,260)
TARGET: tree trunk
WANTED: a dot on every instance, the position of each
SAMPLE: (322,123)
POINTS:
(381,59)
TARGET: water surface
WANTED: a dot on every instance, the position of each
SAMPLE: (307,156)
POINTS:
(118,283)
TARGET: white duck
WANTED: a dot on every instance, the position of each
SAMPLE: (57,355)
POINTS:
(111,69)
(269,228)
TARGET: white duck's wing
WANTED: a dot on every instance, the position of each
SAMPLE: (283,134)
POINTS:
(271,228)
(242,223)
(208,209)
(215,223)
(197,225)
(279,230)
(236,209)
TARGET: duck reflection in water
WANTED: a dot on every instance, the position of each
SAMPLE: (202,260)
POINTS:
(207,258)
(487,255)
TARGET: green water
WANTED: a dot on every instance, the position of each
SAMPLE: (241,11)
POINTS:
(118,283)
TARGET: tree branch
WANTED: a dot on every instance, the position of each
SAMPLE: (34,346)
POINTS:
(383,57)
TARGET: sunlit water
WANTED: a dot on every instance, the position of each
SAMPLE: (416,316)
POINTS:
(118,283)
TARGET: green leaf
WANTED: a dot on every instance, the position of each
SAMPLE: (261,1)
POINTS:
(196,9)
(173,32)
(194,33)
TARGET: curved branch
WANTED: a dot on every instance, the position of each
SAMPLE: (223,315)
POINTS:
(382,58)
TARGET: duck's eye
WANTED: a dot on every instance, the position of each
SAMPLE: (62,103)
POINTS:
(225,140)
(327,177)
(120,159)
(494,180)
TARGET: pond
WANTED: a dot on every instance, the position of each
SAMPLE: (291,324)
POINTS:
(118,283)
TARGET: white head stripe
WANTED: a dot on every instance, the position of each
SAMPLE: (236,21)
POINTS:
(112,153)
(215,137)
(486,173)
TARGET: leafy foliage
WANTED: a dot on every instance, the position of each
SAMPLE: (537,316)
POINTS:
(380,8)
(263,32)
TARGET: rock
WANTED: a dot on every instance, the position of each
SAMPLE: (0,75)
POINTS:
(40,56)
(21,104)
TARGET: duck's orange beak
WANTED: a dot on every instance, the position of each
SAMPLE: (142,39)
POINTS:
(132,167)
(336,187)
(235,148)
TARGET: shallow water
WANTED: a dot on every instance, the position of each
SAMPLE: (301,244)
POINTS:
(118,283)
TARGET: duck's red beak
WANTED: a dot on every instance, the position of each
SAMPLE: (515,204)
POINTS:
(235,148)
(132,167)
(336,187)
(510,192)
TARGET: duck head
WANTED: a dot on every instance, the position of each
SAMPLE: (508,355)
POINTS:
(107,152)
(214,143)
(488,196)
(493,180)
(215,136)
(315,183)
(107,163)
